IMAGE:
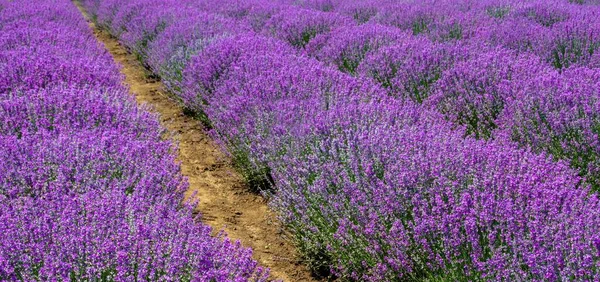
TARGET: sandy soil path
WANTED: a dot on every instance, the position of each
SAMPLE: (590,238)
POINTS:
(225,201)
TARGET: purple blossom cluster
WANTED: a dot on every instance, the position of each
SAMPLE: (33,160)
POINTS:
(558,114)
(448,140)
(472,92)
(89,189)
(425,203)
(206,71)
(298,26)
(348,46)
(410,68)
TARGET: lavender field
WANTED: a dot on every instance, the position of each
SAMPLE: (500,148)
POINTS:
(89,191)
(397,140)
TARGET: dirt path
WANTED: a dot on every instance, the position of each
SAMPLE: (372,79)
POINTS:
(225,202)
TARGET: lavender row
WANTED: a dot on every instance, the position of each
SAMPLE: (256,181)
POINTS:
(562,32)
(478,79)
(463,77)
(88,188)
(374,186)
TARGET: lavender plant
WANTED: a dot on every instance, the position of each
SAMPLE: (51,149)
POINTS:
(298,26)
(170,52)
(387,192)
(360,11)
(297,88)
(89,190)
(212,66)
(575,42)
(558,114)
(410,68)
(473,92)
(347,47)
(376,188)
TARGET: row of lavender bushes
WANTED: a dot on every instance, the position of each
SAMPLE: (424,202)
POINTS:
(423,140)
(89,190)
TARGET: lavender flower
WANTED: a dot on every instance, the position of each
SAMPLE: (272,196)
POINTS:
(348,46)
(558,114)
(472,93)
(89,190)
(380,188)
(211,66)
(410,68)
(299,26)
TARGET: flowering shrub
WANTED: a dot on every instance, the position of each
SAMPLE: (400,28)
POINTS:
(172,49)
(439,20)
(347,47)
(516,34)
(360,11)
(299,26)
(378,187)
(558,114)
(473,92)
(88,188)
(210,67)
(298,88)
(410,68)
(575,43)
(384,192)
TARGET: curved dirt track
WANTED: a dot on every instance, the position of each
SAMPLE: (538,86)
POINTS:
(225,202)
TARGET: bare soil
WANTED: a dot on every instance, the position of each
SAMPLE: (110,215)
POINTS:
(225,202)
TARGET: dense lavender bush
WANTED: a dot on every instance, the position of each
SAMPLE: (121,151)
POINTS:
(560,115)
(544,14)
(347,47)
(254,12)
(171,50)
(59,110)
(497,9)
(142,22)
(85,161)
(54,33)
(409,68)
(261,13)
(473,93)
(456,27)
(106,236)
(43,13)
(88,188)
(360,11)
(297,89)
(382,189)
(43,66)
(413,18)
(387,193)
(298,26)
(211,66)
(319,5)
(575,42)
(517,34)
(438,20)
(235,9)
